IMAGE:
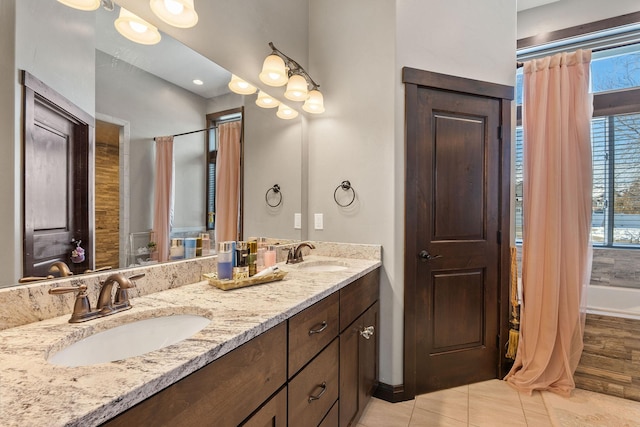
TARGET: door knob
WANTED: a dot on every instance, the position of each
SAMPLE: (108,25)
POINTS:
(426,256)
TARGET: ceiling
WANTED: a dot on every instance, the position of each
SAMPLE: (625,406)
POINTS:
(169,59)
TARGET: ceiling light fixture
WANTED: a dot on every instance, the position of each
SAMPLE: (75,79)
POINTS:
(278,69)
(198,82)
(81,4)
(266,101)
(241,87)
(286,112)
(136,29)
(178,13)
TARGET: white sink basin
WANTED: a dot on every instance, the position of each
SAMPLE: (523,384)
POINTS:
(321,266)
(129,340)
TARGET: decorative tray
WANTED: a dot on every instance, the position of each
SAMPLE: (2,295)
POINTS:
(227,285)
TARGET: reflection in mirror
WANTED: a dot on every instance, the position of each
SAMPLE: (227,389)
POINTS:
(69,50)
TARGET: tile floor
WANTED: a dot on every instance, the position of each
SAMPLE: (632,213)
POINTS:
(494,403)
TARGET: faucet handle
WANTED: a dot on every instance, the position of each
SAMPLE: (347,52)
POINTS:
(81,308)
(122,295)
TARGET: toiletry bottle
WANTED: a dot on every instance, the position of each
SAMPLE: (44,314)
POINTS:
(225,260)
(206,244)
(177,249)
(189,248)
(270,256)
(260,259)
(253,253)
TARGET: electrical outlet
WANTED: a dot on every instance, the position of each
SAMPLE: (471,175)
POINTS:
(297,221)
(318,221)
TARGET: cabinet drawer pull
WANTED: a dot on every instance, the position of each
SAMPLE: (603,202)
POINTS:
(367,332)
(324,389)
(323,326)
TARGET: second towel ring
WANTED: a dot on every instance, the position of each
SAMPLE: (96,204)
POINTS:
(276,191)
(346,186)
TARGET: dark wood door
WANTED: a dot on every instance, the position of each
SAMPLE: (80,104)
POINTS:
(454,248)
(56,183)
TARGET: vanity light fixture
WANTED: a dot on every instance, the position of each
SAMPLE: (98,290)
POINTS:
(178,13)
(314,103)
(286,112)
(278,69)
(265,101)
(241,87)
(297,88)
(82,4)
(136,29)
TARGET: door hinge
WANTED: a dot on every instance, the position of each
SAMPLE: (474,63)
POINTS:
(498,340)
(499,237)
(500,132)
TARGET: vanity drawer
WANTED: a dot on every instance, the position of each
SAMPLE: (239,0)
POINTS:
(314,390)
(358,296)
(311,330)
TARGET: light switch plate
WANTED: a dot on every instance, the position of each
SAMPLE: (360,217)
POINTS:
(297,221)
(318,221)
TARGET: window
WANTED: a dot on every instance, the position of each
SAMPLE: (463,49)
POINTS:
(615,141)
(213,120)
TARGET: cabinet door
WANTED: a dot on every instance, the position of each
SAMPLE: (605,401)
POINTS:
(368,357)
(272,414)
(358,365)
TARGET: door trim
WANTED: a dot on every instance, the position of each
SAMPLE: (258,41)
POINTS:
(412,79)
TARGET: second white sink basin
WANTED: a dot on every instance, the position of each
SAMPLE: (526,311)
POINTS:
(129,340)
(321,266)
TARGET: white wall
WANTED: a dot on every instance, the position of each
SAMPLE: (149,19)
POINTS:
(570,13)
(357,49)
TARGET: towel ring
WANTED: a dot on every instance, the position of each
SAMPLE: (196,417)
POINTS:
(346,186)
(276,191)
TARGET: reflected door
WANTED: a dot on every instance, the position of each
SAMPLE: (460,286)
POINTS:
(56,181)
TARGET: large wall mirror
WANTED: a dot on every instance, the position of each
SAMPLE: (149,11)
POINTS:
(136,93)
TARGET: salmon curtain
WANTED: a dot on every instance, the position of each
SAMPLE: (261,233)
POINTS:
(162,201)
(228,181)
(556,257)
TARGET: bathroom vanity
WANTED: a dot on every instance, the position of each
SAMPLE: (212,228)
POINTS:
(321,364)
(301,351)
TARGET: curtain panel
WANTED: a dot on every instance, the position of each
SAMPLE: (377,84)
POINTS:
(556,264)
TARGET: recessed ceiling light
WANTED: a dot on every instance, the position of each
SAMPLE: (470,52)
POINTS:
(198,82)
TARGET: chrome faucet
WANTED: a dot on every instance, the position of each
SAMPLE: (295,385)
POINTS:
(108,305)
(295,254)
(61,268)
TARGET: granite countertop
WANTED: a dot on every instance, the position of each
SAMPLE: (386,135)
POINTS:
(35,392)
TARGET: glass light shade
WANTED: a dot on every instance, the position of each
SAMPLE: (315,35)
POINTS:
(274,73)
(297,88)
(81,4)
(178,13)
(265,101)
(285,112)
(314,103)
(241,87)
(135,28)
